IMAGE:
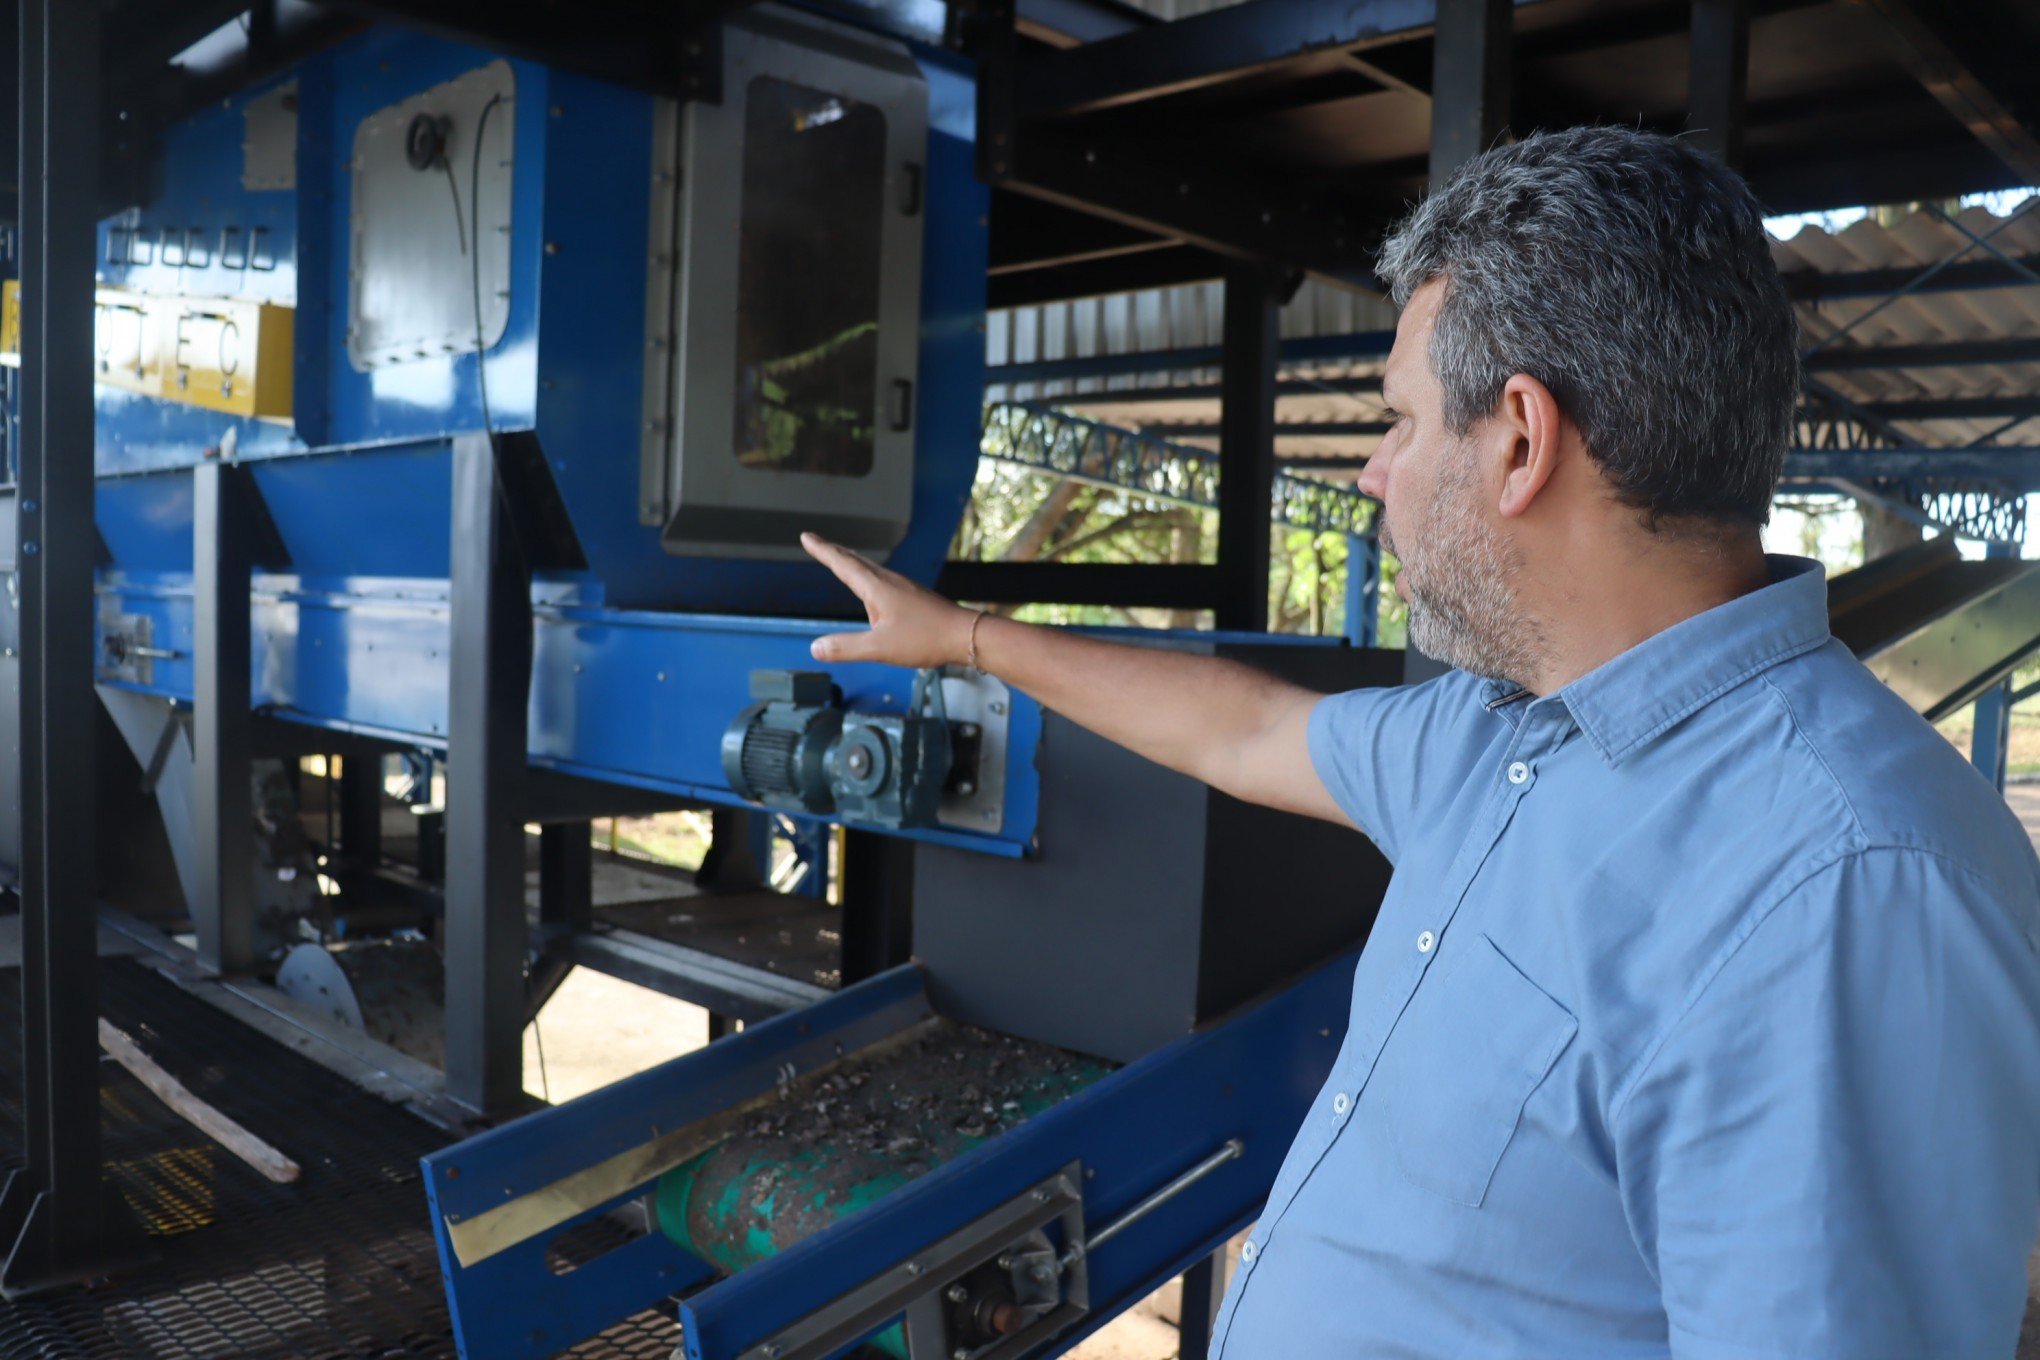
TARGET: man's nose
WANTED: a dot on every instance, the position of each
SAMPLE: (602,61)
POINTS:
(1373,479)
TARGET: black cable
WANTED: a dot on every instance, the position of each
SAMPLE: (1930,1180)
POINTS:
(453,192)
(475,255)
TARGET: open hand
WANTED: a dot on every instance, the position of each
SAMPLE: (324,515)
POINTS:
(910,626)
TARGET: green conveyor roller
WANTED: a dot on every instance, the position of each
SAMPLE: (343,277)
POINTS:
(854,1133)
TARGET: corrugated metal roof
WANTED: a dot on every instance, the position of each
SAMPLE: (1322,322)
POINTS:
(1189,317)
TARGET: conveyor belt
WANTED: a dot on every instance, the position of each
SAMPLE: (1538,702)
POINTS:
(1937,629)
(339,1266)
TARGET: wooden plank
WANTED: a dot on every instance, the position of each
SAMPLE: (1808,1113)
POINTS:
(202,1116)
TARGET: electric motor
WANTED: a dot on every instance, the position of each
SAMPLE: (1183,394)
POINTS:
(799,749)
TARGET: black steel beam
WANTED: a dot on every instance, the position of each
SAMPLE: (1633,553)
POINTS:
(143,35)
(1161,266)
(1950,354)
(224,539)
(1984,86)
(731,990)
(1071,23)
(1149,396)
(1932,168)
(1299,349)
(2014,468)
(1237,212)
(878,904)
(1211,47)
(1806,285)
(1246,448)
(1323,429)
(57,1222)
(550,796)
(361,800)
(488,703)
(1374,344)
(1955,408)
(1470,81)
(566,876)
(1718,77)
(670,49)
(1203,1291)
(1158,587)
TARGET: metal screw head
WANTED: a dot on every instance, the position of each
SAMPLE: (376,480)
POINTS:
(1005,1261)
(916,1269)
(1041,1196)
(966,788)
(961,1353)
(956,1293)
(858,762)
(773,1350)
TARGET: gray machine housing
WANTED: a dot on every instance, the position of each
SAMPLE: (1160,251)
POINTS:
(1154,902)
(692,483)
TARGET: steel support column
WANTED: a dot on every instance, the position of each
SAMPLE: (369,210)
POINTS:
(1470,86)
(1718,78)
(566,875)
(361,800)
(1203,1291)
(222,559)
(57,1222)
(1363,589)
(1470,97)
(878,904)
(1246,448)
(488,704)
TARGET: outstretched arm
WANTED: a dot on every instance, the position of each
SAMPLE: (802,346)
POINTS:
(1235,728)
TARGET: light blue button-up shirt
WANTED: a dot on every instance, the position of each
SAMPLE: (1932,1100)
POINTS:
(1702,1018)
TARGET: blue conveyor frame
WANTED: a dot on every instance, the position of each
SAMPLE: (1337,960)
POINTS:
(1252,1077)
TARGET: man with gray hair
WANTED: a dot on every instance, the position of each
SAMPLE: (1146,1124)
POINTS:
(1702,1015)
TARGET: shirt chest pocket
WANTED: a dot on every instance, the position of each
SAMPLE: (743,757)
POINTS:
(1477,1038)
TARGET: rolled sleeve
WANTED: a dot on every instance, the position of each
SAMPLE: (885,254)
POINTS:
(1834,1151)
(1365,745)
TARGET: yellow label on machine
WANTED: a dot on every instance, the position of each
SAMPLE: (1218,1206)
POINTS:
(226,354)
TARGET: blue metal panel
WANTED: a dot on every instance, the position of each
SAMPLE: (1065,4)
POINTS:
(590,401)
(639,698)
(363,512)
(1251,1078)
(433,396)
(145,521)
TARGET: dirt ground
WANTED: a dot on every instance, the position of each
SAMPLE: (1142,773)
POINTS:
(597,1029)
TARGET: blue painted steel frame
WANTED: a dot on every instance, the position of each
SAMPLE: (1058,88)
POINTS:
(1252,1077)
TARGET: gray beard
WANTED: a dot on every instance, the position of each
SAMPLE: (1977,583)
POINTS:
(1462,596)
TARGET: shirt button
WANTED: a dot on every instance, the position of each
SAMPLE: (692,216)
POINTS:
(1248,1251)
(1519,773)
(1425,940)
(1341,1103)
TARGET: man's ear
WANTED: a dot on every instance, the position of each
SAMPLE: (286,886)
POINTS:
(1528,417)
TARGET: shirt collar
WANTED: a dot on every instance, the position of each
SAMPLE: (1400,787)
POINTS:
(1634,697)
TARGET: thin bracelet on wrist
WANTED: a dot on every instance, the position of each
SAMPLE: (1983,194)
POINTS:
(970,657)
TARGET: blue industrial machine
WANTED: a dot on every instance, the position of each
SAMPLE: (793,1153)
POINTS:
(466,409)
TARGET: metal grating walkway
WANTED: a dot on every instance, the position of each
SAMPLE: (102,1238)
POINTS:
(338,1266)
